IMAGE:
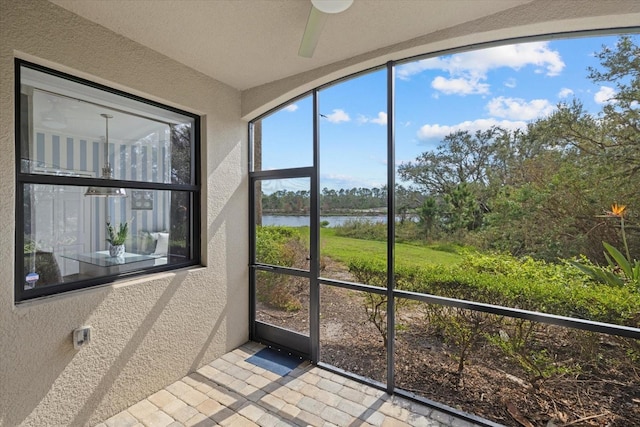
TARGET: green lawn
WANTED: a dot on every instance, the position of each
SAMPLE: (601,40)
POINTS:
(344,249)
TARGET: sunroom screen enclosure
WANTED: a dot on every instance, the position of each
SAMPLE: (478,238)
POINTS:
(367,258)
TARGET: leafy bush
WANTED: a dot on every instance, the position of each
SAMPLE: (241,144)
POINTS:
(373,272)
(519,283)
(285,247)
(505,280)
(270,245)
(447,247)
(621,269)
(279,291)
(366,230)
(370,271)
(520,341)
(462,328)
(532,285)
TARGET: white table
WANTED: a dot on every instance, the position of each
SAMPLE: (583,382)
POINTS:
(100,263)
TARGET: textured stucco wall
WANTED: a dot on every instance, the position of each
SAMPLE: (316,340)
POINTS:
(149,331)
(536,18)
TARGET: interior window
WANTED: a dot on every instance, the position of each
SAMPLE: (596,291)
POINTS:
(106,184)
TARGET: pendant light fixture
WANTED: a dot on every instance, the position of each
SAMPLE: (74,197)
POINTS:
(107,171)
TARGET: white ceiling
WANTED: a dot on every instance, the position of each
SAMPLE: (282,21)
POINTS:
(247,43)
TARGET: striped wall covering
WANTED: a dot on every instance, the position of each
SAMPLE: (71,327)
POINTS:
(145,160)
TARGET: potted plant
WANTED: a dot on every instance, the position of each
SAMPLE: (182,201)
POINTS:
(116,238)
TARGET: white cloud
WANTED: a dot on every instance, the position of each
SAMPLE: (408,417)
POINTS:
(336,181)
(605,95)
(407,70)
(516,56)
(459,86)
(510,83)
(440,131)
(519,109)
(338,177)
(473,66)
(338,116)
(565,92)
(479,62)
(291,108)
(381,119)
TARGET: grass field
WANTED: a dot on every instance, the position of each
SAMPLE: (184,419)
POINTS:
(343,249)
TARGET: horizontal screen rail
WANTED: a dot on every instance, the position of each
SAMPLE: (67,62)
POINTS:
(552,319)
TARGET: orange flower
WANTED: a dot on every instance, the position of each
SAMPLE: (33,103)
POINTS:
(617,210)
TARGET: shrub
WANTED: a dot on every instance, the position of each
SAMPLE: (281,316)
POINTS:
(279,291)
(373,273)
(462,328)
(511,282)
(270,245)
(519,283)
(281,246)
(365,230)
(531,285)
(621,269)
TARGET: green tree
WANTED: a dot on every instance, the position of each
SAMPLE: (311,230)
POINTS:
(428,215)
(613,136)
(548,207)
(462,210)
(461,158)
(551,182)
(458,172)
(621,68)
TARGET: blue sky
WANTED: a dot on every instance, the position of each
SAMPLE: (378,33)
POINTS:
(507,85)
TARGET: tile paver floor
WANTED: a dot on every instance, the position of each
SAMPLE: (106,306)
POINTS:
(233,392)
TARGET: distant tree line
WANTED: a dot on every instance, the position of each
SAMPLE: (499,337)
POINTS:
(286,202)
(343,201)
(331,201)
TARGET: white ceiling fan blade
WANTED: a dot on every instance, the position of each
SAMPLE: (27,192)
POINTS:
(315,24)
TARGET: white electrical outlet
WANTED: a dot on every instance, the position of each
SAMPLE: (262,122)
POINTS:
(81,337)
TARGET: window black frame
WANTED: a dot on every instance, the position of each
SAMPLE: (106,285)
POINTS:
(22,179)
